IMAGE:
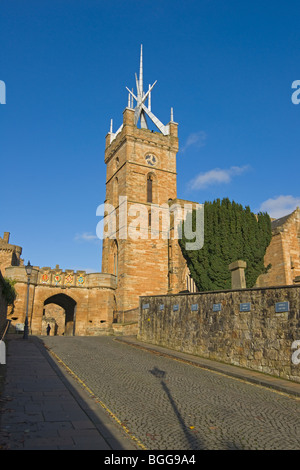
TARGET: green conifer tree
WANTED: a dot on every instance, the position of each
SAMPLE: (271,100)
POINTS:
(231,232)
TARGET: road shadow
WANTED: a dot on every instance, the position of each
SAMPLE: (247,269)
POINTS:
(192,438)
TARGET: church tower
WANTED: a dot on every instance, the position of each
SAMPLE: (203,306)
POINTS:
(141,174)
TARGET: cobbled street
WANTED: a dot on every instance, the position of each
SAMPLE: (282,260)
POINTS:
(170,405)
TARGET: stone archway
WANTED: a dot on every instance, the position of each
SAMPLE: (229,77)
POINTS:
(62,320)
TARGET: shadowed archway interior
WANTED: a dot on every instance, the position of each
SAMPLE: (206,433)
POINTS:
(69,306)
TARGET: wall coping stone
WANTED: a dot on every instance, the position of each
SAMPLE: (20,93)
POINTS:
(249,289)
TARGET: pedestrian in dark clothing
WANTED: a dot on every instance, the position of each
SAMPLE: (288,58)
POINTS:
(48,329)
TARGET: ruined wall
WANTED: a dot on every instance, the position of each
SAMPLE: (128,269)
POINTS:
(283,253)
(259,339)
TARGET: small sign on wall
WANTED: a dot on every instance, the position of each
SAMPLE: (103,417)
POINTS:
(195,307)
(246,307)
(217,307)
(145,306)
(282,307)
(175,308)
(161,307)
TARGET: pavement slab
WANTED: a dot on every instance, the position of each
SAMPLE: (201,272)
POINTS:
(43,408)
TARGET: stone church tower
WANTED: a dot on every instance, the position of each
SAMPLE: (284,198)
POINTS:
(141,174)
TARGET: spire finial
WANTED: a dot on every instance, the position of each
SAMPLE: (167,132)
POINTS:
(141,110)
(141,73)
(149,98)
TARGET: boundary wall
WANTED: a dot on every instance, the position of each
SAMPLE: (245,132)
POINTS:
(256,328)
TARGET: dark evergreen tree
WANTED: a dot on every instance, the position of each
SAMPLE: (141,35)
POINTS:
(231,232)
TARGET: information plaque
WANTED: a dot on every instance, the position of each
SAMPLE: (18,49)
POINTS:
(217,307)
(246,307)
(282,307)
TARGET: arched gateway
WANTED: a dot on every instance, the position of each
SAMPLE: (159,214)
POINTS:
(73,303)
(60,314)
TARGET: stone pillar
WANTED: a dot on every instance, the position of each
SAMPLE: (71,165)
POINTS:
(6,237)
(237,269)
(128,117)
(173,126)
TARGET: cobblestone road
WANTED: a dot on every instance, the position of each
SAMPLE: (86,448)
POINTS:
(175,406)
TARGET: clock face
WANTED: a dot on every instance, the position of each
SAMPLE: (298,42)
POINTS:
(151,160)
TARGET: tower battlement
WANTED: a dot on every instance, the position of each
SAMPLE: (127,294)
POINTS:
(10,255)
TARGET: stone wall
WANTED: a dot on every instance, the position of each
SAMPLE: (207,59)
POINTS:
(259,339)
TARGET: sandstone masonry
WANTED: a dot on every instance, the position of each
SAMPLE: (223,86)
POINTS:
(240,327)
(283,253)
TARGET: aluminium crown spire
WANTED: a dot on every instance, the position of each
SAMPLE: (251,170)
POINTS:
(141,110)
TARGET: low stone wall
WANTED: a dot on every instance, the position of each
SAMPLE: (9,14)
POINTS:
(252,328)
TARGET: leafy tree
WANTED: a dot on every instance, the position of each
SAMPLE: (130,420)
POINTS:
(8,291)
(231,232)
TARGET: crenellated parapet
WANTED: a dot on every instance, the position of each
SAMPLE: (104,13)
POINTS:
(57,277)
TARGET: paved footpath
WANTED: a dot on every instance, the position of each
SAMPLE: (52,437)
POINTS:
(42,407)
(117,393)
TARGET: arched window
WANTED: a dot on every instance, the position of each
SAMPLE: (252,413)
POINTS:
(115,259)
(116,264)
(115,192)
(150,188)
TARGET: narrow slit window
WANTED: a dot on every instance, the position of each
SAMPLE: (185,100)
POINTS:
(149,188)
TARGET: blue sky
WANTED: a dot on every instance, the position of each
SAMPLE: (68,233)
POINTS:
(225,66)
